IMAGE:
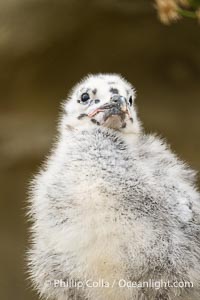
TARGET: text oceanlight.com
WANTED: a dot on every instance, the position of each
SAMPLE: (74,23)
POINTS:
(122,283)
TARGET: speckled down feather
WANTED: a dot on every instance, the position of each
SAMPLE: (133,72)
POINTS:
(103,211)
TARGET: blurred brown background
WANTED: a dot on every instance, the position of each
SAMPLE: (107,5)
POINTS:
(46,47)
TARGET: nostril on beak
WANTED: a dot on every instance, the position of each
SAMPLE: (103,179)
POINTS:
(120,101)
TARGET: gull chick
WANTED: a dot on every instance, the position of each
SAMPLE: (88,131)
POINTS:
(114,211)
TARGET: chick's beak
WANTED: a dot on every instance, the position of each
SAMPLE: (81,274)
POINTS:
(120,102)
(117,105)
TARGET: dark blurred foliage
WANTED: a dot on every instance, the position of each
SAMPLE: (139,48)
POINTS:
(46,47)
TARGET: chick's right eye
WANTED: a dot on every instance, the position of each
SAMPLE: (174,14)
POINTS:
(85,97)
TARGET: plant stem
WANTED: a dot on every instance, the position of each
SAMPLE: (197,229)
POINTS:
(187,13)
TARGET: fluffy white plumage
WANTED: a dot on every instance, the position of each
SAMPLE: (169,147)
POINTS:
(111,204)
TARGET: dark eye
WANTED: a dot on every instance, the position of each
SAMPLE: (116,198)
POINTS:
(130,100)
(85,97)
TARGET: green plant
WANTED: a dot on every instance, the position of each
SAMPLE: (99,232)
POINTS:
(172,10)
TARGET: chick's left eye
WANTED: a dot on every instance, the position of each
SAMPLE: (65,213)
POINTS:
(130,101)
(85,97)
